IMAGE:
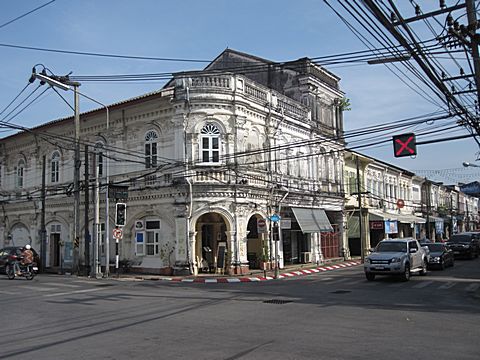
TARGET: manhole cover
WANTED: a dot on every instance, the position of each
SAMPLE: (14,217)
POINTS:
(340,291)
(277,301)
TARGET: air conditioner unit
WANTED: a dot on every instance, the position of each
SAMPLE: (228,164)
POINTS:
(306,257)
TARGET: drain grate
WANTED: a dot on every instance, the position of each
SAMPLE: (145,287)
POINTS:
(277,301)
(341,291)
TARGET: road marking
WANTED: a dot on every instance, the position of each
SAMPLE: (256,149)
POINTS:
(74,292)
(472,287)
(447,285)
(38,288)
(8,292)
(64,285)
(422,284)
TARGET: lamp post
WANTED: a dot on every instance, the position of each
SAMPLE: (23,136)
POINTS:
(467,164)
(67,85)
(107,200)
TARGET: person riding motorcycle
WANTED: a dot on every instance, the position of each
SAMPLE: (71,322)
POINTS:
(26,258)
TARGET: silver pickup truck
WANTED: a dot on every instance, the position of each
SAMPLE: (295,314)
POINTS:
(396,257)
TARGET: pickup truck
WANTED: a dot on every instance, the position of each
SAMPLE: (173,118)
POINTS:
(400,257)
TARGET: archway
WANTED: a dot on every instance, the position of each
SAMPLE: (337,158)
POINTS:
(257,244)
(212,246)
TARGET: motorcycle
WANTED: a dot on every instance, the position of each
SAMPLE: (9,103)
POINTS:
(28,271)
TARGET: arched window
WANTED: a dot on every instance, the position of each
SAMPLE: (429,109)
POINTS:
(20,173)
(210,144)
(151,139)
(55,167)
(99,158)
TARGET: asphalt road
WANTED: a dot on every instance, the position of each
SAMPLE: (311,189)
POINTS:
(331,315)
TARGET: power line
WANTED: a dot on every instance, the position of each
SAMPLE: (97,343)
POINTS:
(28,13)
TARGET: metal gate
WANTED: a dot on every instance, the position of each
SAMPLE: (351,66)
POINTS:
(331,243)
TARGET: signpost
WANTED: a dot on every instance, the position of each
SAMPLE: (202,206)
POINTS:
(118,235)
(261,226)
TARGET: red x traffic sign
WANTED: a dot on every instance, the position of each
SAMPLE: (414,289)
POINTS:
(404,145)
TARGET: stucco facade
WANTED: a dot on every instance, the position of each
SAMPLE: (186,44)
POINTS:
(207,161)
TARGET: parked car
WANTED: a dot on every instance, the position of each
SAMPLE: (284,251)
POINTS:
(14,250)
(440,256)
(466,245)
(396,257)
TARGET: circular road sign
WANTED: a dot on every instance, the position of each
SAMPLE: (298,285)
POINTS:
(400,203)
(117,233)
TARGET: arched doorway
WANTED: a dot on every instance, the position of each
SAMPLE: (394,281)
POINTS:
(212,248)
(257,244)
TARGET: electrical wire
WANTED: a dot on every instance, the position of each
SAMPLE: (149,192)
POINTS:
(28,13)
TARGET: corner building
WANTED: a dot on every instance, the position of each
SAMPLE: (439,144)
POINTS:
(208,161)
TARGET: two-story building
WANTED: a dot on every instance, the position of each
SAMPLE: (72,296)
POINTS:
(226,168)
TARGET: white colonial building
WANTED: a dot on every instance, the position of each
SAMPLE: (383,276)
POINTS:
(209,161)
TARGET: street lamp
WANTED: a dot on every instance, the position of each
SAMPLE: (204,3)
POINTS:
(467,164)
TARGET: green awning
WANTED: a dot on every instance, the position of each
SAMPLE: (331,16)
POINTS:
(312,220)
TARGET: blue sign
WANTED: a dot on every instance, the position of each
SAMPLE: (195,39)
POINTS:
(391,227)
(275,218)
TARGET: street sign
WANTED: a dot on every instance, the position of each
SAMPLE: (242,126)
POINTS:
(286,224)
(400,203)
(117,192)
(261,226)
(404,145)
(275,217)
(117,233)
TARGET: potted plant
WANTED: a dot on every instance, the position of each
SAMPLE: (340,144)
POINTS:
(265,258)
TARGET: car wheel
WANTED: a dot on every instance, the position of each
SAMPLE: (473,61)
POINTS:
(406,273)
(423,272)
(370,277)
(442,264)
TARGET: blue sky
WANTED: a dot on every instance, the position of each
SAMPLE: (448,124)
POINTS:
(278,30)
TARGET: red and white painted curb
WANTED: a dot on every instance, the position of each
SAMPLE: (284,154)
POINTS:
(230,280)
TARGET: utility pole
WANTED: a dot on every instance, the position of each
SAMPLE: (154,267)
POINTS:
(87,210)
(472,30)
(96,225)
(43,231)
(76,177)
(360,225)
(427,198)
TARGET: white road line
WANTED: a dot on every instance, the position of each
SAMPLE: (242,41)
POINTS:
(74,292)
(59,284)
(8,292)
(422,284)
(38,288)
(447,285)
(91,282)
(472,287)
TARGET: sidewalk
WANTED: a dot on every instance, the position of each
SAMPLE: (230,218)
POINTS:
(254,276)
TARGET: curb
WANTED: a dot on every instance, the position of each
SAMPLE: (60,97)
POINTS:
(234,280)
